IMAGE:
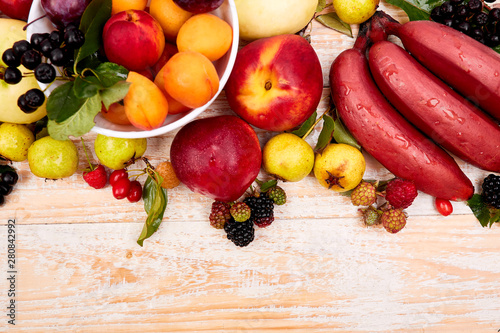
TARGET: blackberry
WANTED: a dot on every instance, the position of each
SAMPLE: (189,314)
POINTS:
(261,207)
(263,222)
(219,214)
(240,233)
(240,212)
(491,190)
(277,194)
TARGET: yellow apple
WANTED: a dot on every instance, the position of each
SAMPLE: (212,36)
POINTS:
(266,18)
(12,31)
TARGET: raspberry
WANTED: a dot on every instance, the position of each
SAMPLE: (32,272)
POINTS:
(166,171)
(400,193)
(240,233)
(97,178)
(371,216)
(393,220)
(240,212)
(278,195)
(364,194)
(261,207)
(219,215)
(491,190)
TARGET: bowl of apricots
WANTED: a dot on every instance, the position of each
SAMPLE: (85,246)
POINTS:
(178,55)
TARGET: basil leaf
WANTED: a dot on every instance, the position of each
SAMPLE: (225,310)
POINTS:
(114,93)
(92,22)
(86,87)
(332,21)
(302,130)
(155,203)
(81,122)
(62,103)
(416,9)
(342,135)
(325,137)
(110,73)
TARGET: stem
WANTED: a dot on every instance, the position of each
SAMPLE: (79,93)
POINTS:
(86,154)
(315,123)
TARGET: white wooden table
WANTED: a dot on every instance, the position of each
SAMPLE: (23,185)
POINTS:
(317,268)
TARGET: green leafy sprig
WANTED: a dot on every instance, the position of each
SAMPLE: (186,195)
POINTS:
(72,106)
(485,214)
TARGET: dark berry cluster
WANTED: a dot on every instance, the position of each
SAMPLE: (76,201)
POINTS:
(491,190)
(238,219)
(472,18)
(40,55)
(8,179)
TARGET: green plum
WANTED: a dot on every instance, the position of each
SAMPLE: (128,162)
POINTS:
(116,152)
(15,139)
(53,159)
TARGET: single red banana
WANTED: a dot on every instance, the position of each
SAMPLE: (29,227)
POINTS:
(470,67)
(433,107)
(386,135)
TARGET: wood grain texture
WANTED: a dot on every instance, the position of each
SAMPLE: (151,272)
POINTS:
(315,269)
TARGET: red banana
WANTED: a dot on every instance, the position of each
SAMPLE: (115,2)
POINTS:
(470,67)
(386,135)
(434,108)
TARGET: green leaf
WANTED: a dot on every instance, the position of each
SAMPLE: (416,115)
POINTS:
(86,87)
(325,137)
(62,103)
(482,212)
(92,22)
(342,135)
(332,21)
(321,6)
(80,123)
(155,203)
(115,93)
(416,9)
(267,185)
(110,74)
(302,130)
(497,49)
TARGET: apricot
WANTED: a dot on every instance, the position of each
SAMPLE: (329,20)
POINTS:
(115,114)
(145,105)
(170,16)
(121,5)
(190,78)
(174,106)
(207,34)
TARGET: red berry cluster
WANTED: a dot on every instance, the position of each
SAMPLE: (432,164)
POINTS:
(123,187)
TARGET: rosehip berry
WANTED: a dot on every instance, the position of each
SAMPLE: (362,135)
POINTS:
(444,206)
(117,175)
(121,188)
(135,193)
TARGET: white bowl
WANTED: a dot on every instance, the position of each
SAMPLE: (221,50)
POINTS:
(227,11)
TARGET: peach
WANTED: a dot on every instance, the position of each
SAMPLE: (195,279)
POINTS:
(121,5)
(190,78)
(169,50)
(207,34)
(133,39)
(264,91)
(145,105)
(115,113)
(170,16)
(174,106)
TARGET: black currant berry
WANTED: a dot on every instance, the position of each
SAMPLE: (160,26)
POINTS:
(494,15)
(10,58)
(492,40)
(56,38)
(480,19)
(37,39)
(464,27)
(31,59)
(447,9)
(477,34)
(2,200)
(74,38)
(20,47)
(436,14)
(448,22)
(45,73)
(456,2)
(58,57)
(9,177)
(475,6)
(12,75)
(46,47)
(462,11)
(34,97)
(5,189)
(22,103)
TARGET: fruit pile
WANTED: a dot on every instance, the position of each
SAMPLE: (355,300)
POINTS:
(471,18)
(238,218)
